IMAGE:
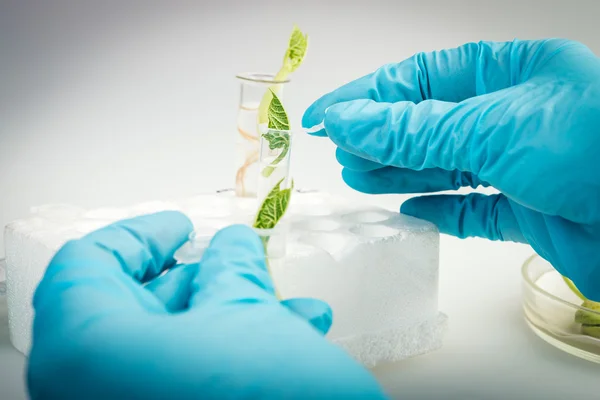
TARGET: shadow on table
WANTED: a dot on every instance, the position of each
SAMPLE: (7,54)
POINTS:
(12,363)
(517,365)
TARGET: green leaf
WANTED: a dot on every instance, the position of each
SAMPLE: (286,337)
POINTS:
(277,140)
(590,321)
(591,330)
(294,55)
(296,50)
(278,119)
(277,116)
(273,207)
(586,317)
(270,213)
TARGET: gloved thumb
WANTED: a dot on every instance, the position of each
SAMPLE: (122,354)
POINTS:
(233,272)
(430,134)
(474,215)
(316,312)
(233,269)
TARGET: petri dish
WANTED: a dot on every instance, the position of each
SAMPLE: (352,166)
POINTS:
(550,306)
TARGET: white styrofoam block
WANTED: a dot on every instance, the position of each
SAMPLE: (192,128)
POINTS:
(377,269)
(2,277)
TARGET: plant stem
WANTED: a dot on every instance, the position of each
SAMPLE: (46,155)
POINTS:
(265,241)
(268,170)
(574,289)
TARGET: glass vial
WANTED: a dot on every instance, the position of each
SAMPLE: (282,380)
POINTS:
(275,150)
(253,87)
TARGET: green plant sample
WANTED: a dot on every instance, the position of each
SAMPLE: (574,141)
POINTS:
(292,59)
(272,113)
(274,206)
(590,322)
(271,210)
(278,120)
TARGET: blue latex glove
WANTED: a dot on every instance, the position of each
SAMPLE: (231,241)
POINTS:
(522,117)
(208,330)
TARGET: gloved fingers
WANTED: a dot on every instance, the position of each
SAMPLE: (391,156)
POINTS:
(355,163)
(473,215)
(233,270)
(431,134)
(174,288)
(141,247)
(101,271)
(390,180)
(450,75)
(316,312)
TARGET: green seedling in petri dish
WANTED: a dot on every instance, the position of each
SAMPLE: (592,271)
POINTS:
(278,120)
(573,288)
(590,321)
(587,318)
(292,59)
(270,213)
(591,330)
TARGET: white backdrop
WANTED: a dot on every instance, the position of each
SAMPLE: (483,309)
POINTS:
(110,104)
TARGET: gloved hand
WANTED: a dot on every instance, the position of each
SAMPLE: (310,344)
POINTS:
(522,117)
(208,330)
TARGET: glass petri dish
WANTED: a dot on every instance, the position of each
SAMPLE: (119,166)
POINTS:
(550,306)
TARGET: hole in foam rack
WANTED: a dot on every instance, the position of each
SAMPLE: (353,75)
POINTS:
(332,243)
(320,224)
(109,214)
(315,211)
(368,216)
(207,212)
(374,231)
(90,225)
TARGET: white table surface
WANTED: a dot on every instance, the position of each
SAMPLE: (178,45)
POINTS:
(489,353)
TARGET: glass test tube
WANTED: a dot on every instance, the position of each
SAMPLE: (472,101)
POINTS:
(275,148)
(253,87)
(192,251)
(274,173)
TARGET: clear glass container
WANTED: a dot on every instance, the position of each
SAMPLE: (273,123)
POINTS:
(275,246)
(198,241)
(274,242)
(275,151)
(192,251)
(550,309)
(253,87)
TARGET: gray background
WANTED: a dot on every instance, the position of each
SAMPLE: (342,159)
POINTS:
(114,102)
(109,103)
